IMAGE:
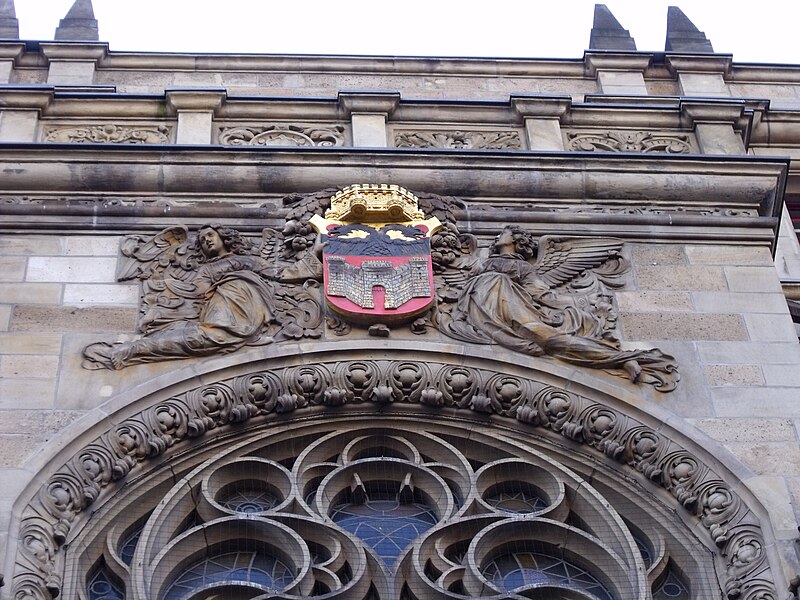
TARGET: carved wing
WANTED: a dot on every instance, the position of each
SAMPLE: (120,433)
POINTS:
(146,257)
(565,259)
(270,245)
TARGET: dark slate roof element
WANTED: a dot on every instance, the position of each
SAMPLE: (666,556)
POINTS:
(9,26)
(682,35)
(607,33)
(79,24)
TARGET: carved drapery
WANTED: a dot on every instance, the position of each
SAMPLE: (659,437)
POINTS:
(459,139)
(267,395)
(109,134)
(629,141)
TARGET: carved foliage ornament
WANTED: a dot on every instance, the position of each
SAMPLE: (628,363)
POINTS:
(262,396)
(629,141)
(109,134)
(385,264)
(283,135)
(460,140)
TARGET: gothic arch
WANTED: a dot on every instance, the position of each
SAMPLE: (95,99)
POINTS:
(594,427)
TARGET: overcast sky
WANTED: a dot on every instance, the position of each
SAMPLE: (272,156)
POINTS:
(753,31)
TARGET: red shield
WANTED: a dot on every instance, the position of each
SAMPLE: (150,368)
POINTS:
(378,274)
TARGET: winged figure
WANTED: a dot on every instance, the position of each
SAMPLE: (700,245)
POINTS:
(211,293)
(559,306)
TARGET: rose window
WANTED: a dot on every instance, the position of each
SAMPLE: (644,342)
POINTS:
(380,512)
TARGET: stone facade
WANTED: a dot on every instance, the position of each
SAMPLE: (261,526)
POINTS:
(684,158)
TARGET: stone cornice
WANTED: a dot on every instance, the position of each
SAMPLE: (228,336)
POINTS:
(74,51)
(569,176)
(540,106)
(370,102)
(699,63)
(37,53)
(195,99)
(26,98)
(12,50)
(732,112)
(595,61)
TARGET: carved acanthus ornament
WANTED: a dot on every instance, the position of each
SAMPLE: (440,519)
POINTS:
(109,134)
(629,141)
(459,139)
(260,397)
(283,135)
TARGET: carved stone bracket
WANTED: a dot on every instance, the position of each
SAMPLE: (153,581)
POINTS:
(629,141)
(459,139)
(260,396)
(109,134)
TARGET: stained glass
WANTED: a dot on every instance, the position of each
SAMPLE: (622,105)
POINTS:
(384,523)
(520,570)
(250,500)
(255,568)
(101,587)
(128,545)
(671,587)
(515,497)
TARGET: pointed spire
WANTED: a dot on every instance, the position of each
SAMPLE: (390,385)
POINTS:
(682,35)
(9,26)
(607,33)
(79,24)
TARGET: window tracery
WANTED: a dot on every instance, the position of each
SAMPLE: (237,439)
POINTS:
(384,512)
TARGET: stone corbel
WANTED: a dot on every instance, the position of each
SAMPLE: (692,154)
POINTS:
(9,54)
(721,127)
(542,118)
(700,74)
(618,73)
(71,63)
(21,109)
(195,109)
(368,113)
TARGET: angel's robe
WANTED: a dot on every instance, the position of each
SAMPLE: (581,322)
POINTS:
(506,302)
(236,309)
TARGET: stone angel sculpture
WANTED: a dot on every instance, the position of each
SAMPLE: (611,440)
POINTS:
(210,294)
(559,306)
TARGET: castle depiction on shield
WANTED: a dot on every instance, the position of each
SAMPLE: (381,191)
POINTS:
(377,254)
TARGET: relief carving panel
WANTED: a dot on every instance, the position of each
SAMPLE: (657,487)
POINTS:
(629,141)
(108,134)
(283,135)
(458,139)
(215,292)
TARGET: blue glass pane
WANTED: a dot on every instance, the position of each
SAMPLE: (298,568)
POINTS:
(644,550)
(386,525)
(254,568)
(250,500)
(520,570)
(128,545)
(515,497)
(101,587)
(671,588)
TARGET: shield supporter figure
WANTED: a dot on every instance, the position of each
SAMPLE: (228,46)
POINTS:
(377,254)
